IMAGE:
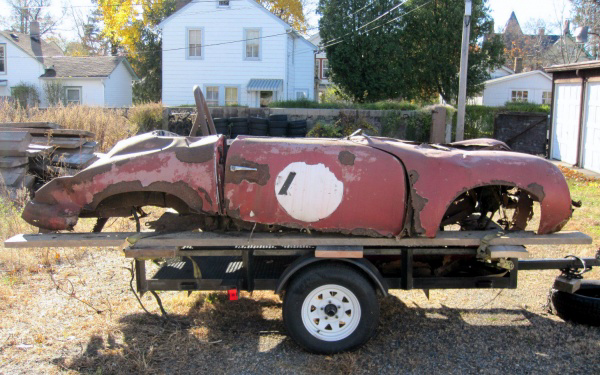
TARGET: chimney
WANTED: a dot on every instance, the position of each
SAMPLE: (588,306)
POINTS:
(518,67)
(566,28)
(34,29)
(541,31)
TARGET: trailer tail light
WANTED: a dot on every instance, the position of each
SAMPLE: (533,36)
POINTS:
(233,295)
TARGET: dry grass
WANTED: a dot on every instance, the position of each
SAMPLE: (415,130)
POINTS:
(110,126)
(45,330)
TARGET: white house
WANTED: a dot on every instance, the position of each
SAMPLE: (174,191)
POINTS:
(502,71)
(321,67)
(534,87)
(238,52)
(96,81)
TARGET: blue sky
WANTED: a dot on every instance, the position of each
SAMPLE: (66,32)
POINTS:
(551,11)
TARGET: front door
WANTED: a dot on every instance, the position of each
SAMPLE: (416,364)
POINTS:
(266,97)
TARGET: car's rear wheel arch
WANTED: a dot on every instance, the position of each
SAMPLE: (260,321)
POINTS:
(120,204)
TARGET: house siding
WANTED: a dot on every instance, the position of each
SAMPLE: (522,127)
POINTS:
(20,68)
(92,90)
(118,88)
(304,68)
(223,62)
(497,94)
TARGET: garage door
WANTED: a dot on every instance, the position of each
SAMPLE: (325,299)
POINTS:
(565,126)
(591,129)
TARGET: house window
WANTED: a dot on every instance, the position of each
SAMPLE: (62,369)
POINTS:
(195,43)
(519,95)
(223,3)
(212,95)
(301,94)
(547,97)
(252,43)
(324,69)
(72,95)
(231,96)
(2,58)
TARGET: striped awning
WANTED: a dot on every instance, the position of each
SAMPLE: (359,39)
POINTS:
(265,85)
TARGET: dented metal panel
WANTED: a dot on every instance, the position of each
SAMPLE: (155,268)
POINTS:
(438,175)
(328,185)
(187,168)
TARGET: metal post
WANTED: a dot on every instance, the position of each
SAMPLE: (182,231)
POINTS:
(462,83)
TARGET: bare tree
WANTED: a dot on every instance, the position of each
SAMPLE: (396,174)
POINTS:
(23,12)
(587,13)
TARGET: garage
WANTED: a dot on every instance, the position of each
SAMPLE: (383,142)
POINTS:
(575,130)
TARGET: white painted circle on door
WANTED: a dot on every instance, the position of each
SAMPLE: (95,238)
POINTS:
(308,192)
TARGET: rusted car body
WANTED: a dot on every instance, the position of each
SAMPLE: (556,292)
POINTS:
(358,185)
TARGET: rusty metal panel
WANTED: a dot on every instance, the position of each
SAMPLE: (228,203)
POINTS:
(438,175)
(187,168)
(329,185)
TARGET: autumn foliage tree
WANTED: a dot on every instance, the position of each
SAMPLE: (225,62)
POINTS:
(291,11)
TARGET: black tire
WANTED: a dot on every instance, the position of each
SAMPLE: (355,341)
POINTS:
(277,132)
(583,306)
(259,127)
(220,121)
(300,124)
(260,133)
(278,125)
(257,120)
(278,118)
(235,120)
(306,284)
(297,132)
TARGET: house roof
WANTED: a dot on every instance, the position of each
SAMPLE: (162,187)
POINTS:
(37,48)
(574,66)
(84,67)
(516,76)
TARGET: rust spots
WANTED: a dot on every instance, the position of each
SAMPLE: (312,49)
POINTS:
(418,202)
(260,176)
(196,154)
(537,190)
(346,158)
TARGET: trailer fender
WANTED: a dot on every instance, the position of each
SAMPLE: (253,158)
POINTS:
(362,264)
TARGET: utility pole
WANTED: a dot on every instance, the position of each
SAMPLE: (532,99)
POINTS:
(462,83)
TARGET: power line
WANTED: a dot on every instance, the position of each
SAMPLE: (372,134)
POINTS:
(113,4)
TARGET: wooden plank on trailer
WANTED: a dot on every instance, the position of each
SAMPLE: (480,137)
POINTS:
(14,143)
(37,150)
(147,252)
(12,161)
(339,252)
(42,125)
(58,142)
(508,251)
(54,132)
(449,238)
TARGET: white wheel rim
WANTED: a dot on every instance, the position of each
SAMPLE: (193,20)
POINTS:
(331,312)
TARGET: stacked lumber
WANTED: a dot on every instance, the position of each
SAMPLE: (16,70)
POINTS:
(35,152)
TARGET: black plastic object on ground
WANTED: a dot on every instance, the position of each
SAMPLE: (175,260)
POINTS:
(278,128)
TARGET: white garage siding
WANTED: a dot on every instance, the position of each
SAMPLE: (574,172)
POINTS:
(499,91)
(92,90)
(565,127)
(118,88)
(591,129)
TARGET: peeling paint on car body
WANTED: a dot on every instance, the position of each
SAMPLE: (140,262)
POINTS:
(184,167)
(374,188)
(443,175)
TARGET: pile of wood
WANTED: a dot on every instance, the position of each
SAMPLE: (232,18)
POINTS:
(32,153)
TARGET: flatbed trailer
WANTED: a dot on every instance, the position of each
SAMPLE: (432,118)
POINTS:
(296,262)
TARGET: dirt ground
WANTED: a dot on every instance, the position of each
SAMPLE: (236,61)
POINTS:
(72,311)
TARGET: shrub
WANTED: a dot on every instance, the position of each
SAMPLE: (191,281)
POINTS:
(381,105)
(322,130)
(348,123)
(26,94)
(54,92)
(146,117)
(410,126)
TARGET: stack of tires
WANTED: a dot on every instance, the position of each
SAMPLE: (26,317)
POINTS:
(278,125)
(239,126)
(222,126)
(297,129)
(258,126)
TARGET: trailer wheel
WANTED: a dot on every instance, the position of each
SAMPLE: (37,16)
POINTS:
(583,306)
(330,308)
